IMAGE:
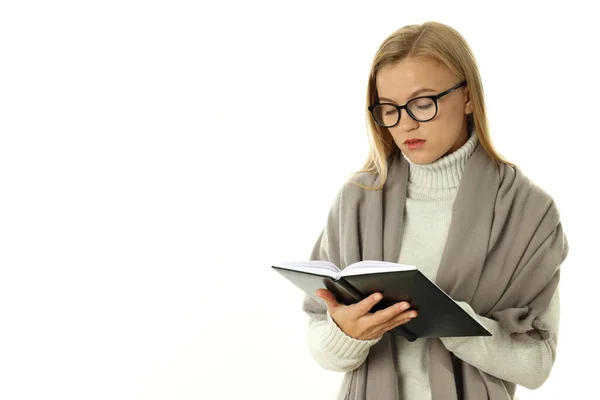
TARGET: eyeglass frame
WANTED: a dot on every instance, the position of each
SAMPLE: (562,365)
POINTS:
(434,98)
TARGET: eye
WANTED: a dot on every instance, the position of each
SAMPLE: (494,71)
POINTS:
(421,104)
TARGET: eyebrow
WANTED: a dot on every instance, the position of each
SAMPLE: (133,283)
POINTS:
(413,94)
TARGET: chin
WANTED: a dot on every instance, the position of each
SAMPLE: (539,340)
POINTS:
(421,159)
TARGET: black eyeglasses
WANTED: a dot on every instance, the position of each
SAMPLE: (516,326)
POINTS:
(421,109)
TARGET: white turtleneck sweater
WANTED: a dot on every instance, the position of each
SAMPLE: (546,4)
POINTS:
(431,192)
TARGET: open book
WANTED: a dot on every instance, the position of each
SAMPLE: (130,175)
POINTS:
(438,315)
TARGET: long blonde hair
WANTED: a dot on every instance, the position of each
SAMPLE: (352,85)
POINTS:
(436,41)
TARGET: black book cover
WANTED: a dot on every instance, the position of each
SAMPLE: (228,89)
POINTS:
(438,314)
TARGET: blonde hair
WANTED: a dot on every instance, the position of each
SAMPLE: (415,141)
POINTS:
(432,40)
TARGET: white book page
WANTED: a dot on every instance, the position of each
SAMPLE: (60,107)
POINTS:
(374,267)
(313,267)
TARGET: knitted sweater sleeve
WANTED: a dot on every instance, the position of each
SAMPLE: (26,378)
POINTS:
(332,349)
(525,363)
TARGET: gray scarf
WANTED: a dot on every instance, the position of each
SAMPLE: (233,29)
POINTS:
(502,256)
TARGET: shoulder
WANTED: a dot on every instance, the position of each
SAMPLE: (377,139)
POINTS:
(525,203)
(352,195)
(355,188)
(362,184)
(516,187)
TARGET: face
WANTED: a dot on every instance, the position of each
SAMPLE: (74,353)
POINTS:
(442,135)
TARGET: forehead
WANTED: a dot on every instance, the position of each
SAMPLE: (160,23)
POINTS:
(399,80)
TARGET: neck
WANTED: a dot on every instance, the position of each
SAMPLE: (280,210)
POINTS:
(441,178)
(460,142)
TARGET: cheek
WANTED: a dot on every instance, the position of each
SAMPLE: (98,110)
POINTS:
(397,136)
(450,118)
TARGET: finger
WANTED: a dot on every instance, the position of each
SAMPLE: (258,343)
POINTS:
(329,298)
(401,319)
(365,305)
(388,313)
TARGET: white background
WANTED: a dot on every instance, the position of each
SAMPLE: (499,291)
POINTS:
(157,157)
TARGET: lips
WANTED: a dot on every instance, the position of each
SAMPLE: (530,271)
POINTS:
(414,144)
(415,140)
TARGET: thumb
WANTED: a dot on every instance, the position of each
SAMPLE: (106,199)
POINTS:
(329,298)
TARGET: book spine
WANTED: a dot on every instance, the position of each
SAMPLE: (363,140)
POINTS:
(349,290)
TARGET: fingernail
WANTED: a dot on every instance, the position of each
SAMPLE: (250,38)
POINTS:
(405,306)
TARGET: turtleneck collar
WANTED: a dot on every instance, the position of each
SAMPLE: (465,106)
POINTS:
(445,172)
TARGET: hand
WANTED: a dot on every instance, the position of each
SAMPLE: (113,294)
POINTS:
(356,321)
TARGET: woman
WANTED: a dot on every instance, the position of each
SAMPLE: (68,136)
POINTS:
(436,194)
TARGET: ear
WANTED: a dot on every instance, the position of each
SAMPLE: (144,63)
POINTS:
(468,102)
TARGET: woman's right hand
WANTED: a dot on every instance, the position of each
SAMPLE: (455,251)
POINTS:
(356,321)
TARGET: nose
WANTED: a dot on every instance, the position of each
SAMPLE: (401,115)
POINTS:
(406,121)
